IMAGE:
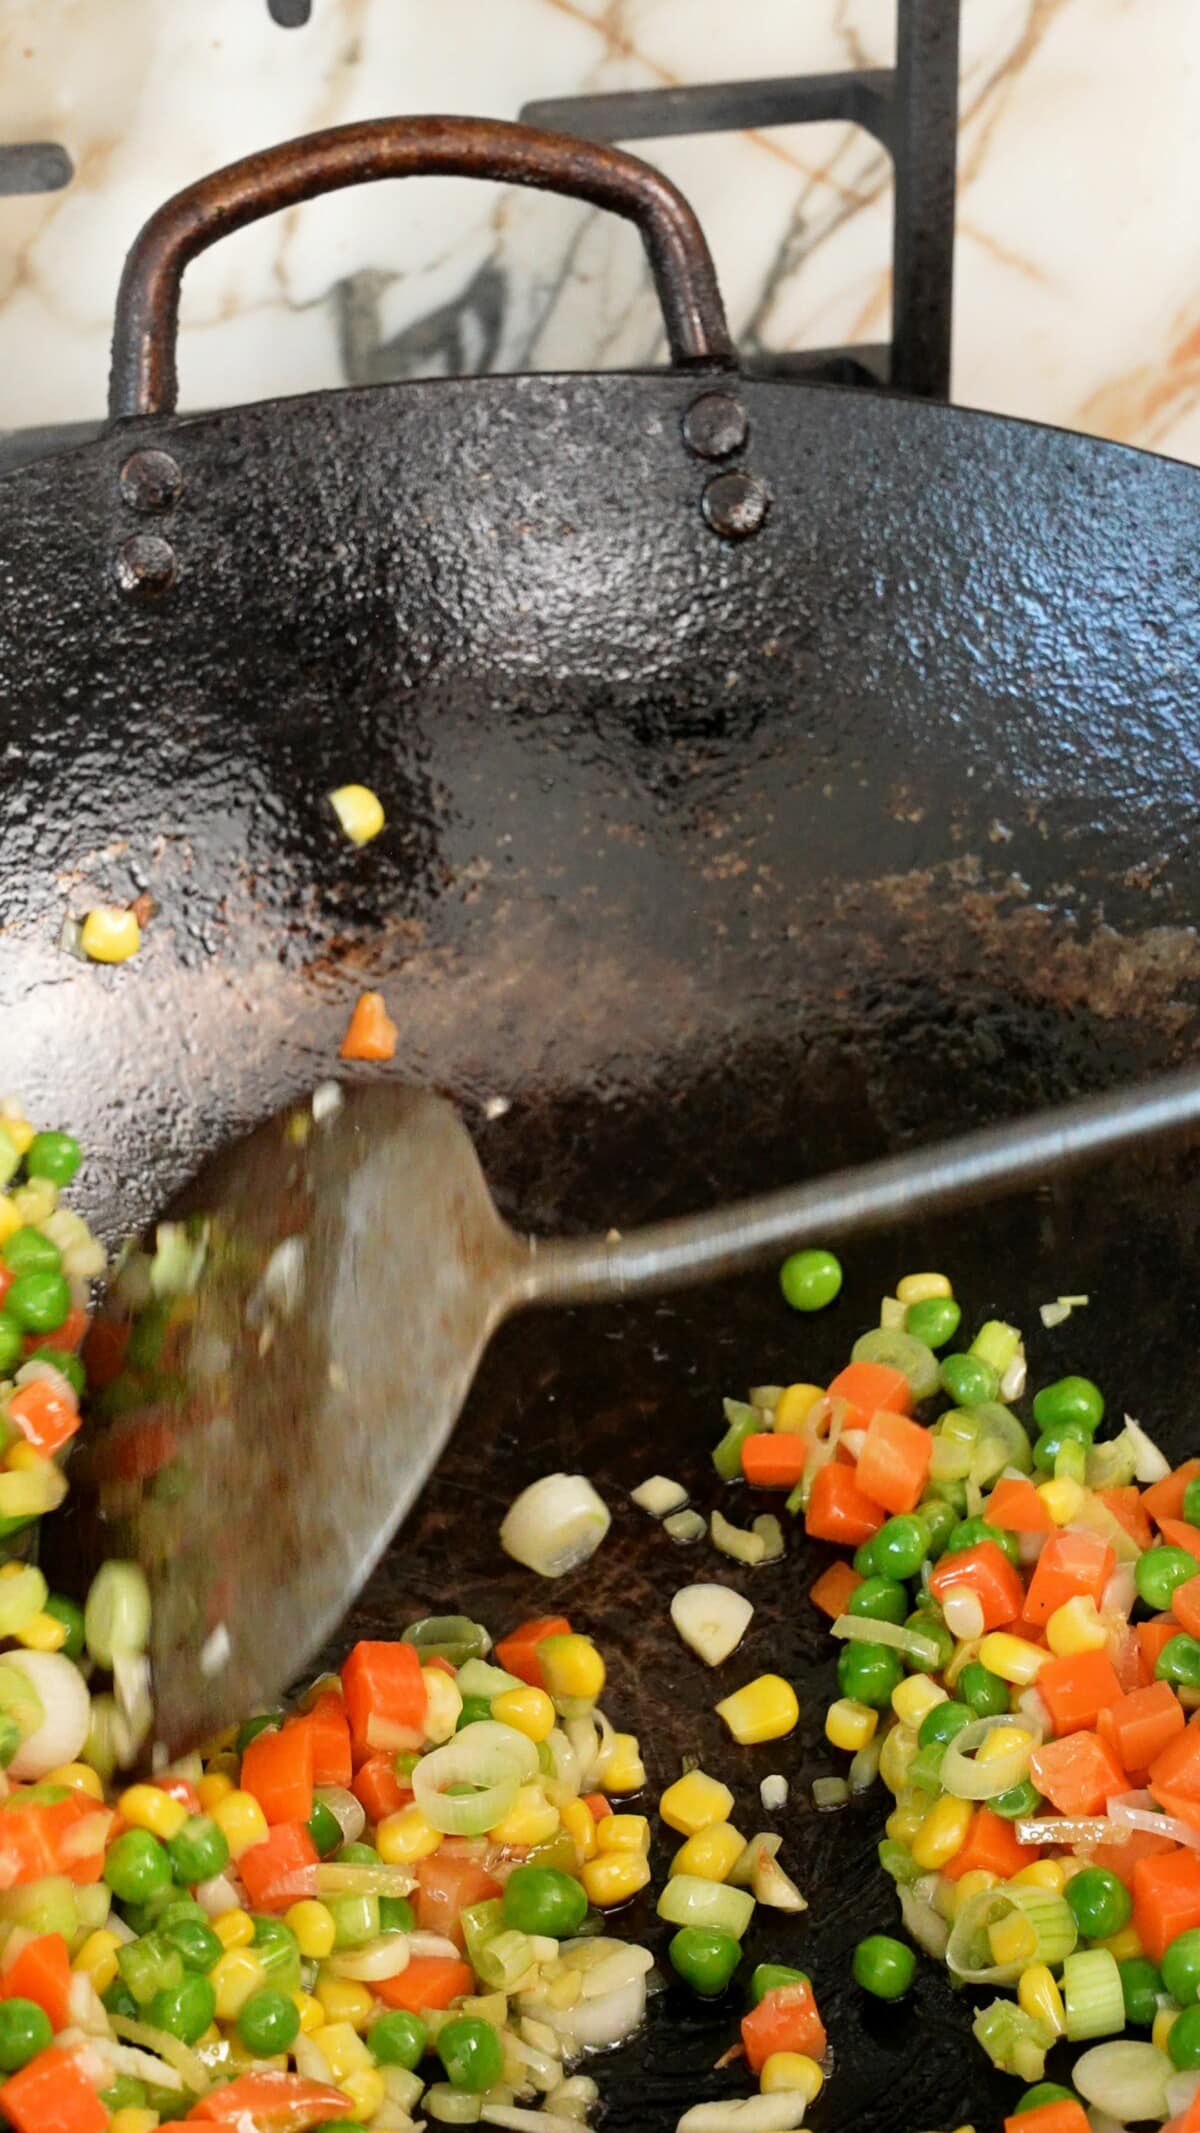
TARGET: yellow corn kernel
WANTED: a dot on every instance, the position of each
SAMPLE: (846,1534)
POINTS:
(212,1788)
(1038,1994)
(405,1836)
(580,1826)
(22,1458)
(235,1975)
(35,1200)
(695,1802)
(361,816)
(791,2071)
(711,1854)
(344,1999)
(1013,1939)
(905,1820)
(623,1769)
(1076,1627)
(613,1877)
(366,2092)
(149,1807)
(10,1219)
(973,1884)
(1062,1498)
(133,2118)
(310,2011)
(77,1777)
(241,1822)
(963,1655)
(942,1833)
(18,1128)
(343,2049)
(1002,1740)
(443,1705)
(110,935)
(234,1929)
(1123,1946)
(895,1756)
(487,2007)
(849,1724)
(1164,2021)
(1072,1866)
(1013,1658)
(97,1958)
(914,1698)
(313,1927)
(922,1288)
(42,1633)
(623,1833)
(528,1711)
(530,1820)
(1041,1874)
(765,1709)
(794,1405)
(571,1668)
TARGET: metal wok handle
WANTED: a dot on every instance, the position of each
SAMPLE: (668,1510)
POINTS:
(145,328)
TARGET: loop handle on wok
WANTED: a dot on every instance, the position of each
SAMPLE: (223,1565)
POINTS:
(144,380)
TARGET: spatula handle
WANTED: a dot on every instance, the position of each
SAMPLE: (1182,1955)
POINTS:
(924,1181)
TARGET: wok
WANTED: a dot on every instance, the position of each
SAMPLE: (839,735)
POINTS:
(775,775)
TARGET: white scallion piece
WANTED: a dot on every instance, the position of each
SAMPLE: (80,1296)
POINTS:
(780,2113)
(1127,2080)
(685,1526)
(555,1524)
(773,1792)
(711,1619)
(1149,1463)
(659,1496)
(830,1792)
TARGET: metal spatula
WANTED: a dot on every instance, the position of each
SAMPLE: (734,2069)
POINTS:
(299,1356)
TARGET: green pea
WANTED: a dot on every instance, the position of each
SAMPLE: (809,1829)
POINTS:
(1181,1967)
(30,1251)
(943,1722)
(186,2010)
(1191,1501)
(1179,1663)
(324,1828)
(396,1915)
(869,1673)
(1159,1571)
(1046,2092)
(1051,1443)
(1183,2040)
(984,1691)
(198,1850)
(124,2093)
(879,1600)
(968,1380)
(864,1558)
(25,2030)
(1018,1802)
(136,1866)
(268,2022)
(474,1709)
(357,1855)
(939,1519)
(70,1614)
(67,1366)
(250,1728)
(10,1738)
(969,1532)
(810,1280)
(1069,1400)
(117,1999)
(705,1958)
(355,1919)
(1099,1903)
(925,1769)
(39,1300)
(53,1156)
(278,1950)
(931,1626)
(1141,1985)
(472,2054)
(195,1943)
(935,1321)
(540,1899)
(900,1546)
(884,1967)
(12,1343)
(398,2039)
(769,1977)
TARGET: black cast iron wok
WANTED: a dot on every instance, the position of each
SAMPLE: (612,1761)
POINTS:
(774,775)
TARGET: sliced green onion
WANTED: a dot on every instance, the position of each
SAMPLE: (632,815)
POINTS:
(452,1637)
(743,1421)
(864,1629)
(903,1352)
(116,1617)
(968,1951)
(495,1760)
(1015,2042)
(1092,1997)
(555,1524)
(996,1343)
(688,1901)
(1127,2080)
(22,1596)
(969,1780)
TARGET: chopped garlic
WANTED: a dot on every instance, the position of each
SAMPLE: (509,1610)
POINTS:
(659,1496)
(685,1526)
(711,1619)
(773,1792)
(1056,1313)
(734,1541)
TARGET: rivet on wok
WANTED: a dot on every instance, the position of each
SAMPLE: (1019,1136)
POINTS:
(144,565)
(151,480)
(736,504)
(715,425)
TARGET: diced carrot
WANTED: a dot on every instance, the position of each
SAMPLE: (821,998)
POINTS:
(1177,1766)
(985,1570)
(277,1768)
(330,1730)
(991,1844)
(377,1787)
(41,1971)
(384,1692)
(1185,1606)
(1067,2116)
(270,2099)
(1129,1511)
(597,1806)
(1077,1774)
(1141,1725)
(179,1788)
(837,1508)
(1166,1899)
(371,1032)
(1076,1688)
(281,1869)
(773,1460)
(1164,1499)
(1015,1507)
(1151,1637)
(867,1387)
(831,1591)
(893,1465)
(52,2095)
(1120,1859)
(104,1350)
(46,1414)
(428,1981)
(1126,1657)
(445,1887)
(1070,1564)
(1176,1533)
(517,1653)
(785,2020)
(32,1836)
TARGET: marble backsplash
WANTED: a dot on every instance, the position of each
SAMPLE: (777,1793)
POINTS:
(1077,264)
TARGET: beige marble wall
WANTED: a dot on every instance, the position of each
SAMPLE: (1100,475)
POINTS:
(1078,255)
